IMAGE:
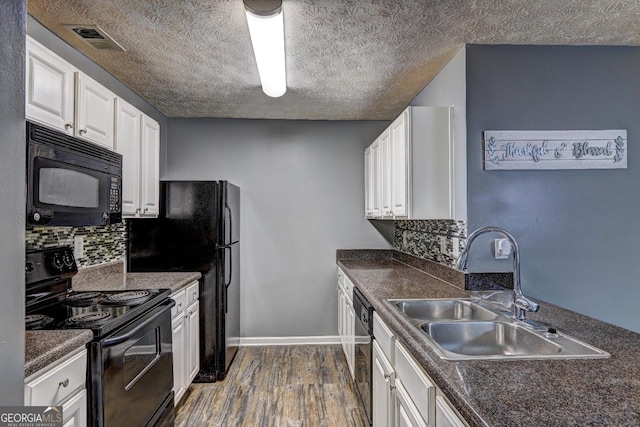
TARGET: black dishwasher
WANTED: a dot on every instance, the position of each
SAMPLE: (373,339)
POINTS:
(363,350)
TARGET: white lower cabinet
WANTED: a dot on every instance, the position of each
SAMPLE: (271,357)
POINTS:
(407,414)
(403,394)
(185,327)
(346,319)
(63,383)
(383,378)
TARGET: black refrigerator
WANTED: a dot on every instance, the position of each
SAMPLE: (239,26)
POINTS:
(198,229)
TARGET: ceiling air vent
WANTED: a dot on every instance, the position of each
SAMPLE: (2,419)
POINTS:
(95,36)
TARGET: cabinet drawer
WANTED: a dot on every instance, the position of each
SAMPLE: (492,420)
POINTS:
(58,381)
(418,385)
(193,291)
(385,337)
(180,298)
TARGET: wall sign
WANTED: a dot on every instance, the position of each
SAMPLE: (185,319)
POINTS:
(555,149)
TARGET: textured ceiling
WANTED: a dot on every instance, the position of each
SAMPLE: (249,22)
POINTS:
(346,59)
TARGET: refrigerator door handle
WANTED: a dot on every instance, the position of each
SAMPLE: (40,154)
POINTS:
(230,224)
(227,247)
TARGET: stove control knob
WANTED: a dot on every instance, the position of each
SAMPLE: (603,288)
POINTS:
(28,268)
(67,259)
(57,262)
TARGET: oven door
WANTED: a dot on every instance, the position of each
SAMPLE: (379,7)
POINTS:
(137,370)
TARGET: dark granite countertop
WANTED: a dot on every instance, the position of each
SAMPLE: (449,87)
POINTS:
(602,392)
(45,347)
(111,276)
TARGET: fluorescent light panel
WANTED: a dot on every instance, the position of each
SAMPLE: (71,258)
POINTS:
(267,38)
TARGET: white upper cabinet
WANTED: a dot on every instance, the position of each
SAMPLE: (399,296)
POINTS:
(384,174)
(413,174)
(150,171)
(399,166)
(94,111)
(128,143)
(138,140)
(368,200)
(50,88)
(61,97)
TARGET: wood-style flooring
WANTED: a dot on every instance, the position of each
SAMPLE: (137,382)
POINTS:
(279,386)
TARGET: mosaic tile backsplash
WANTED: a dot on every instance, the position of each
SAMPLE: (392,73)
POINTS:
(427,238)
(101,243)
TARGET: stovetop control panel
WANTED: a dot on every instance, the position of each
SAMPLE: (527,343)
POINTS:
(49,264)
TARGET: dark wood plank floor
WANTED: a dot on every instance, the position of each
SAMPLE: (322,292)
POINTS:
(301,386)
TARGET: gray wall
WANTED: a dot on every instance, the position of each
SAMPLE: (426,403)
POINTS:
(90,68)
(578,229)
(12,220)
(302,198)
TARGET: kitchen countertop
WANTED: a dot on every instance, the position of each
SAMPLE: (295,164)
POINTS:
(509,393)
(111,276)
(45,347)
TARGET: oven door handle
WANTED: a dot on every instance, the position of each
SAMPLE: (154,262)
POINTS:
(159,312)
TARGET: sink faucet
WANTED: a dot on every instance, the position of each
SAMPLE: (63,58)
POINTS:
(521,304)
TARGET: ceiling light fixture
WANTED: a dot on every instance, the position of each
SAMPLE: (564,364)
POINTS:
(266,27)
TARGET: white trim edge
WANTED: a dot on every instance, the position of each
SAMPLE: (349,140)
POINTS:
(267,341)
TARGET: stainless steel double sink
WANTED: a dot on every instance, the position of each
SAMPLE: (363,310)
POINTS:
(474,329)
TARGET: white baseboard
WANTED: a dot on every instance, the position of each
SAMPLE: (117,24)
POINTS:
(267,341)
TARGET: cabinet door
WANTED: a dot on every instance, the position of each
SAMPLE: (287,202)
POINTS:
(368,184)
(407,414)
(193,326)
(94,111)
(150,167)
(383,378)
(75,411)
(179,343)
(399,161)
(375,179)
(385,175)
(50,88)
(128,136)
(340,305)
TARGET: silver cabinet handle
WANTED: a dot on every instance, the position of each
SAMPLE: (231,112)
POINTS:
(82,131)
(68,125)
(146,209)
(64,383)
(137,210)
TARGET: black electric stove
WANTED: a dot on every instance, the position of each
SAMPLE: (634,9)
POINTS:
(130,358)
(52,304)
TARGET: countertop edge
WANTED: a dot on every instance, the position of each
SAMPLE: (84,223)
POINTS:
(43,348)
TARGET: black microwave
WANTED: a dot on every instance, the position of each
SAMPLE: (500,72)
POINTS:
(71,181)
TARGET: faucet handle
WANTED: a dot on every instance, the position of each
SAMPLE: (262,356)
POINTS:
(526,304)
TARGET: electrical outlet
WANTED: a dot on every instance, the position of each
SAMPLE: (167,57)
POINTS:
(78,246)
(502,248)
(443,244)
(456,247)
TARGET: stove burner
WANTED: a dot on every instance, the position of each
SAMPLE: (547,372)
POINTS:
(83,299)
(127,298)
(93,318)
(36,321)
